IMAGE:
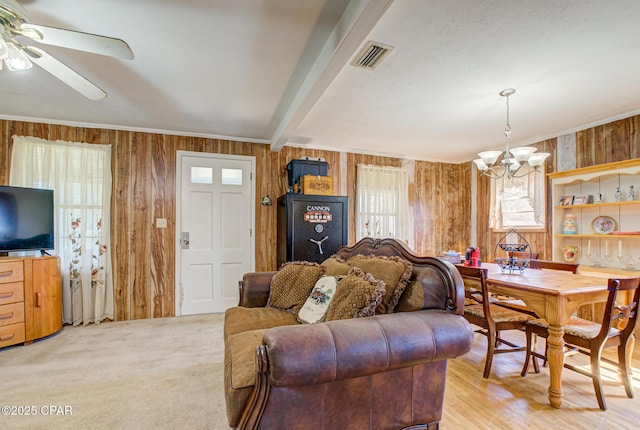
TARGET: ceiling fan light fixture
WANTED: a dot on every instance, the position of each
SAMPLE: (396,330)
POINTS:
(16,60)
(14,23)
(4,52)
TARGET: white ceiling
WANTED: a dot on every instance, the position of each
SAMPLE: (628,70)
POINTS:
(277,71)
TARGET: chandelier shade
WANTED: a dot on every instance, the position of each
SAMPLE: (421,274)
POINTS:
(522,153)
(536,160)
(512,158)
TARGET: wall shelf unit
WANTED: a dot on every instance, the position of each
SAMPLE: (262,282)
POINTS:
(618,250)
(599,236)
(599,205)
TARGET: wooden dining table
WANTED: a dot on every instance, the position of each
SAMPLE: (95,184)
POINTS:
(553,295)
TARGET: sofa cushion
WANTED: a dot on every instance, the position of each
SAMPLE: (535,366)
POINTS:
(242,347)
(240,371)
(292,284)
(239,319)
(393,271)
(412,298)
(315,308)
(356,297)
(336,266)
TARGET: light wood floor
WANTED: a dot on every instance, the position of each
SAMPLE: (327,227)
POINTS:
(508,401)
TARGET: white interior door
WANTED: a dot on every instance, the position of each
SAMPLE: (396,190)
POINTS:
(214,230)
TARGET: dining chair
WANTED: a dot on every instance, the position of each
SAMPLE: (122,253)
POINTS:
(523,254)
(553,265)
(490,318)
(591,338)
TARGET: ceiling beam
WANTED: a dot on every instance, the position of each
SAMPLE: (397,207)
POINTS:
(357,21)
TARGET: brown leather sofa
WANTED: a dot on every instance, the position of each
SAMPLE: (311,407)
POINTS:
(381,372)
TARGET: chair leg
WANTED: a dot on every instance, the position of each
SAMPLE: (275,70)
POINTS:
(536,368)
(595,375)
(532,341)
(624,358)
(491,346)
(527,357)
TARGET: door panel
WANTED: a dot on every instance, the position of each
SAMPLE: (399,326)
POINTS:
(216,210)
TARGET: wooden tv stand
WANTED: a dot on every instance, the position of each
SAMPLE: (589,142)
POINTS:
(30,298)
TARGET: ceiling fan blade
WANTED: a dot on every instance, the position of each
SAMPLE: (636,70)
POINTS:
(88,42)
(64,73)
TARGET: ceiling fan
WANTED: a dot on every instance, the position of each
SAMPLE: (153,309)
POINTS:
(14,23)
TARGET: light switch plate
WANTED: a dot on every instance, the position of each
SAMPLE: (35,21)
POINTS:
(161,222)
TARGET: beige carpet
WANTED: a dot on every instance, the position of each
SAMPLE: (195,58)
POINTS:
(146,374)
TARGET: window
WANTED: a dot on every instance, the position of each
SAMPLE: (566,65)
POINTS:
(231,176)
(382,202)
(80,176)
(201,175)
(518,202)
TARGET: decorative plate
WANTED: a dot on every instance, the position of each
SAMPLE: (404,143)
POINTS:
(603,224)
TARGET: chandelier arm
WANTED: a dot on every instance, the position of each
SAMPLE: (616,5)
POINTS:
(491,173)
(535,170)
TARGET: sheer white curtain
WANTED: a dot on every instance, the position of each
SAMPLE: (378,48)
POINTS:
(80,175)
(518,202)
(382,202)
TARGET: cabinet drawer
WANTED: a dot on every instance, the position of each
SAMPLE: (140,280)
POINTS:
(11,334)
(11,271)
(11,293)
(11,314)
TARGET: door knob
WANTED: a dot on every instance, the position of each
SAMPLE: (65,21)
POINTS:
(184,240)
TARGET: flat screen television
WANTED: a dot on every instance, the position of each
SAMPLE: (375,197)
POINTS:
(26,219)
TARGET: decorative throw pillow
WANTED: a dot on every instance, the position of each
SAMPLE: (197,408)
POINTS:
(292,284)
(336,266)
(393,271)
(411,299)
(315,308)
(357,296)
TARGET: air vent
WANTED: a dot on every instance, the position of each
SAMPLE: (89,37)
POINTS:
(371,55)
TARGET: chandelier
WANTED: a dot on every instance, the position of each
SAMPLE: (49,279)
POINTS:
(513,158)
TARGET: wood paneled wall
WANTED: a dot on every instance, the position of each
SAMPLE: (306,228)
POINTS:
(614,141)
(442,207)
(144,170)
